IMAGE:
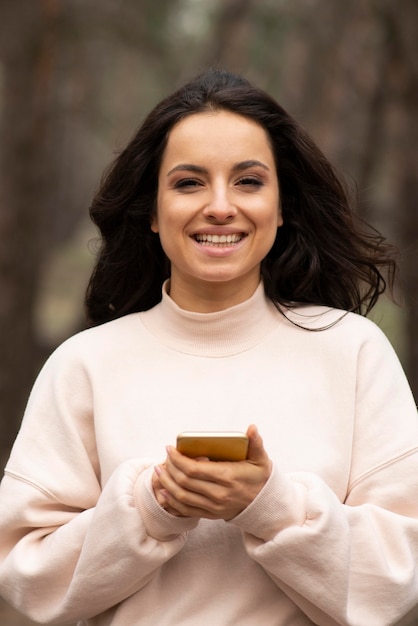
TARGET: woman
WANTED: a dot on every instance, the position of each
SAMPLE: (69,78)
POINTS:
(226,296)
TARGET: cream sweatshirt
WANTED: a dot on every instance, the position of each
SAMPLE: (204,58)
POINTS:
(331,539)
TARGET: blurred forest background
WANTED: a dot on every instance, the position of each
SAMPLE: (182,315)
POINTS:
(78,76)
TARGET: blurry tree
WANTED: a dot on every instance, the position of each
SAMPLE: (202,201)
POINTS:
(401,121)
(27,47)
(232,26)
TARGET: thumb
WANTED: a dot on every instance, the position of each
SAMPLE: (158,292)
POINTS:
(256,453)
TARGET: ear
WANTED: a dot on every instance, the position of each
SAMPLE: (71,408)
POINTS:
(154,223)
(279,216)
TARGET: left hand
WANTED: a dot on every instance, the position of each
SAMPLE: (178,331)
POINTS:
(211,489)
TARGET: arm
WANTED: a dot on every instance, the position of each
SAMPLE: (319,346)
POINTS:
(62,535)
(346,564)
(343,563)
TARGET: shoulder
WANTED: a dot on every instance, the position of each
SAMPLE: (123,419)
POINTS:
(338,329)
(350,344)
(93,344)
(321,319)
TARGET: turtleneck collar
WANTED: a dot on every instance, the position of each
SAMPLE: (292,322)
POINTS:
(217,334)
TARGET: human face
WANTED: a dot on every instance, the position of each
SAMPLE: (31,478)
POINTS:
(218,208)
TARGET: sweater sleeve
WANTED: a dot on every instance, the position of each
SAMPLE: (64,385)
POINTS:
(351,562)
(70,548)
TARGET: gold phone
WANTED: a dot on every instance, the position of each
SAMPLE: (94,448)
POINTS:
(217,446)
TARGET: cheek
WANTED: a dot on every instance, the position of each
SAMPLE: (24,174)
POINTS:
(166,244)
(270,219)
(268,229)
(173,216)
(167,223)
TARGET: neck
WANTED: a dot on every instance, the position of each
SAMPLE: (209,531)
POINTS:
(211,296)
(214,334)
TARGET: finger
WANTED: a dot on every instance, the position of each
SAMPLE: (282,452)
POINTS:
(230,488)
(186,504)
(164,495)
(175,507)
(202,470)
(191,497)
(161,494)
(158,487)
(198,475)
(256,452)
(183,509)
(185,489)
(219,483)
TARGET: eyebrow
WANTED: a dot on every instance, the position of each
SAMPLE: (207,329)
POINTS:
(242,165)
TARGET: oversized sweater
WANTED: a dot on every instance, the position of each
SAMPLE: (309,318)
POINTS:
(332,538)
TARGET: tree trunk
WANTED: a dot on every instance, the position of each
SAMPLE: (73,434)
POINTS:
(404,82)
(232,28)
(27,51)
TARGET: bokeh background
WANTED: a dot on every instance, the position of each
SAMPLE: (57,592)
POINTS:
(78,76)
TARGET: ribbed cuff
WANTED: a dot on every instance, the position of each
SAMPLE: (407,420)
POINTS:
(158,523)
(280,504)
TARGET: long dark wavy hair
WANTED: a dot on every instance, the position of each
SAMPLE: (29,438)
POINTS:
(321,255)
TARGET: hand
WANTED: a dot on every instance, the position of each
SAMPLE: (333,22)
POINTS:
(211,489)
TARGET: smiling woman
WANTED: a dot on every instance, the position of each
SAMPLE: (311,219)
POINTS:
(218,209)
(227,290)
(321,254)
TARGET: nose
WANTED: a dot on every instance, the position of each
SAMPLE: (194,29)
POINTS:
(220,208)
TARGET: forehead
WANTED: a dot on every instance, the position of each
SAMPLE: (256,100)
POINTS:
(217,134)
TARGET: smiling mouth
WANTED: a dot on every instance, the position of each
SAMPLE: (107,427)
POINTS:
(219,240)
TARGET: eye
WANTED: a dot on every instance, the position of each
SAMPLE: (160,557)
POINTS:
(185,184)
(250,181)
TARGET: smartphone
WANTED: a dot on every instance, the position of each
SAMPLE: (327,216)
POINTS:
(217,446)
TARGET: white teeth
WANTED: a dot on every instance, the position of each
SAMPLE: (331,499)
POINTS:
(217,239)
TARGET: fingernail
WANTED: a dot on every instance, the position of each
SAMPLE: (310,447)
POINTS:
(158,470)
